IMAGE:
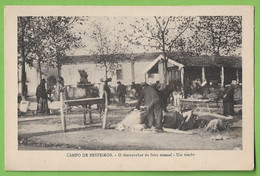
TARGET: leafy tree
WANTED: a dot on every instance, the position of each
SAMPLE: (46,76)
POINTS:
(45,40)
(219,35)
(24,35)
(40,52)
(61,38)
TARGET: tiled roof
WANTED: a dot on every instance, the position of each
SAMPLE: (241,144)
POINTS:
(187,61)
(210,61)
(67,60)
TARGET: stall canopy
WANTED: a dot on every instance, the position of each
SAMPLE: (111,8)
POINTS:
(153,66)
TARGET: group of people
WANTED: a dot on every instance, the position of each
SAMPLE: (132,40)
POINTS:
(43,95)
(154,96)
(155,100)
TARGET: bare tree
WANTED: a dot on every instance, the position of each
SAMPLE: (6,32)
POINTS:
(159,33)
(107,48)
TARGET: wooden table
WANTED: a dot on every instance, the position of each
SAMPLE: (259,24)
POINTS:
(86,104)
(198,102)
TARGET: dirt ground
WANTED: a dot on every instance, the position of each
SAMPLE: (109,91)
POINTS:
(45,133)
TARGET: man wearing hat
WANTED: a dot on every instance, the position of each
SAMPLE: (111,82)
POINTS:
(153,107)
(42,98)
(105,87)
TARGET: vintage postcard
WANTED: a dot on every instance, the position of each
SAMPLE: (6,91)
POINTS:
(129,88)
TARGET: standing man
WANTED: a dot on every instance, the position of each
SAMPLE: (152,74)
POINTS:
(228,100)
(121,91)
(153,107)
(107,89)
(42,98)
(164,95)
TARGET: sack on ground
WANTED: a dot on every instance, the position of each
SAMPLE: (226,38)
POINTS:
(131,120)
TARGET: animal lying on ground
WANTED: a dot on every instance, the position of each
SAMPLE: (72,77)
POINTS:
(182,121)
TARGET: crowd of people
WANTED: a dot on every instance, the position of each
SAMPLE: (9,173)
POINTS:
(155,98)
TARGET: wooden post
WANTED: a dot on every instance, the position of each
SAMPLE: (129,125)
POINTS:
(100,110)
(89,114)
(237,75)
(182,76)
(62,116)
(105,112)
(222,77)
(203,76)
(84,114)
(133,69)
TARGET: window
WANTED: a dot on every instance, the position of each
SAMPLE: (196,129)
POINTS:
(119,74)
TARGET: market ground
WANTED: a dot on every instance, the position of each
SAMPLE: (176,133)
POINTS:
(45,133)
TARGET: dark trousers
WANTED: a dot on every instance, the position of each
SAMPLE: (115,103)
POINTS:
(154,116)
(43,106)
(121,98)
(228,107)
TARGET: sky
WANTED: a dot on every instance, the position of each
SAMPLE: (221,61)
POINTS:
(117,27)
(114,27)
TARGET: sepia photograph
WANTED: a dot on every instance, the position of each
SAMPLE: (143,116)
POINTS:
(141,82)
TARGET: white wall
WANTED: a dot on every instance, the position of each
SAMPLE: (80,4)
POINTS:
(33,79)
(139,68)
(71,75)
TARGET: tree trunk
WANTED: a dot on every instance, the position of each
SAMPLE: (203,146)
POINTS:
(59,75)
(165,65)
(39,70)
(24,88)
(165,59)
(165,72)
(106,71)
(59,69)
(133,70)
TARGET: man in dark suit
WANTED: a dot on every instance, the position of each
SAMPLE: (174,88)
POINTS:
(228,100)
(121,91)
(153,107)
